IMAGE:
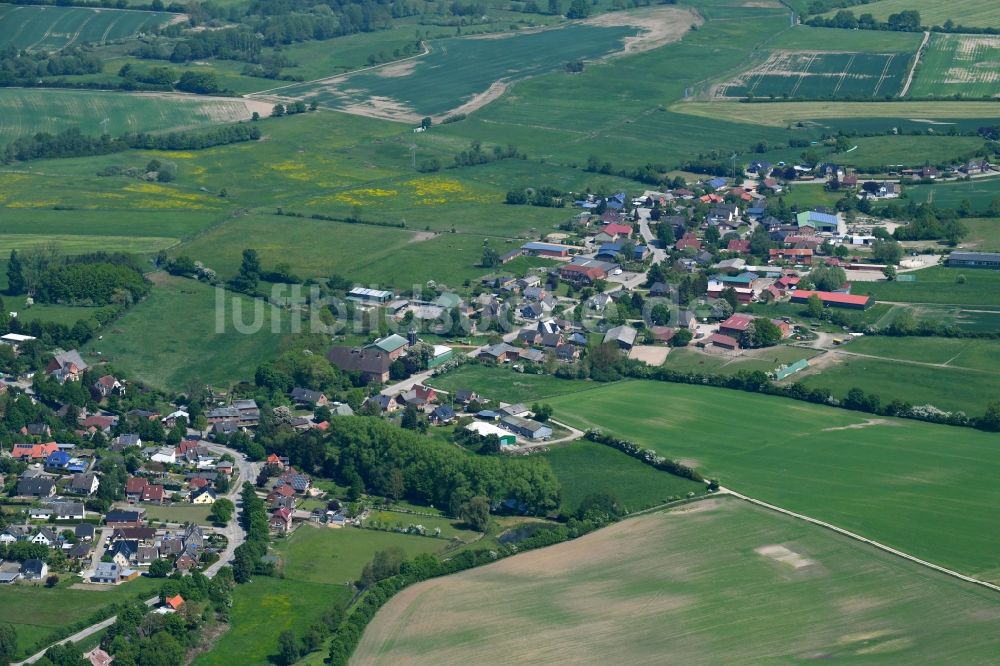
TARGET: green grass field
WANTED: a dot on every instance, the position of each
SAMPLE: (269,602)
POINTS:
(170,339)
(915,486)
(958,65)
(980,192)
(317,563)
(585,468)
(52,28)
(935,12)
(702,585)
(984,234)
(957,352)
(938,285)
(951,388)
(907,150)
(30,608)
(26,112)
(504,384)
(807,38)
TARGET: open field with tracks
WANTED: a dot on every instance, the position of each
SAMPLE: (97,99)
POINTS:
(781,114)
(941,285)
(965,65)
(26,112)
(970,13)
(911,485)
(51,28)
(714,582)
(462,74)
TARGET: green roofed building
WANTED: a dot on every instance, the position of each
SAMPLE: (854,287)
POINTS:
(394,345)
(833,223)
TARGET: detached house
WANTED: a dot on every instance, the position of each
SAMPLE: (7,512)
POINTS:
(67,366)
(108,385)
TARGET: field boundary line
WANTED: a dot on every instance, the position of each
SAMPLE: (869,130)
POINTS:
(916,61)
(858,537)
(885,72)
(843,75)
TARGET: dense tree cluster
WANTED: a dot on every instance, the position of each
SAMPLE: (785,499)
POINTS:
(437,473)
(19,68)
(92,280)
(246,558)
(477,155)
(544,197)
(905,21)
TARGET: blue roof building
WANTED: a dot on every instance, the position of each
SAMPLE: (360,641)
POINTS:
(58,460)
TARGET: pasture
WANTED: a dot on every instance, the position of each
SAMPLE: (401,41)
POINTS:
(935,12)
(316,563)
(941,285)
(980,192)
(46,28)
(665,584)
(170,339)
(958,65)
(808,38)
(782,114)
(505,385)
(956,387)
(27,112)
(817,74)
(586,468)
(984,234)
(915,486)
(957,352)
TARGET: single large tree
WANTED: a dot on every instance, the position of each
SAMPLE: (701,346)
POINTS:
(16,283)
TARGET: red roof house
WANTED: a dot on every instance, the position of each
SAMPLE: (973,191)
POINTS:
(833,299)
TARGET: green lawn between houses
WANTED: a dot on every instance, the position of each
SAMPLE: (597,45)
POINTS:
(35,611)
(915,486)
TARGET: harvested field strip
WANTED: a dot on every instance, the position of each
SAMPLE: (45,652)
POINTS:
(665,583)
(780,114)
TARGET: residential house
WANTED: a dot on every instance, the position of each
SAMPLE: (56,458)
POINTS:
(37,430)
(84,484)
(36,487)
(126,440)
(45,537)
(499,353)
(203,496)
(567,353)
(185,562)
(84,531)
(69,511)
(386,403)
(98,657)
(108,385)
(107,573)
(153,493)
(309,398)
(529,336)
(120,518)
(739,245)
(281,520)
(688,241)
(298,482)
(95,423)
(371,363)
(80,551)
(33,452)
(531,355)
(134,487)
(418,396)
(791,255)
(66,366)
(34,569)
(393,346)
(123,552)
(465,396)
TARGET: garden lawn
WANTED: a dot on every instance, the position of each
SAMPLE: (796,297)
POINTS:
(180,513)
(170,339)
(914,486)
(586,468)
(30,608)
(717,582)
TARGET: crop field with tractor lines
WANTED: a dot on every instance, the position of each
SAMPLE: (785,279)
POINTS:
(51,28)
(966,65)
(820,74)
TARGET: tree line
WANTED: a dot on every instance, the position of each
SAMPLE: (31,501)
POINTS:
(73,143)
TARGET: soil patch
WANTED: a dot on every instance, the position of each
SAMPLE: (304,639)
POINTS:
(867,423)
(659,26)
